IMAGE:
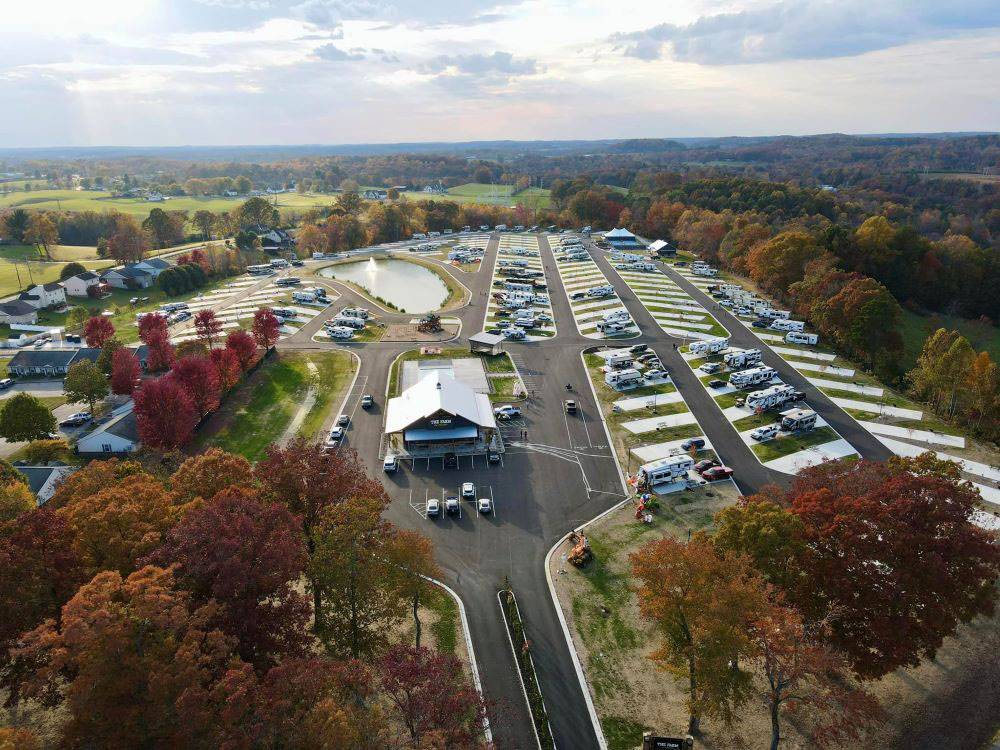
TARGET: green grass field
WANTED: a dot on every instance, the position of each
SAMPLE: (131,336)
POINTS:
(478,192)
(915,329)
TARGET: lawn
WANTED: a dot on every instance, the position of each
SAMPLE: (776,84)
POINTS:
(503,388)
(15,277)
(479,192)
(783,446)
(263,407)
(915,329)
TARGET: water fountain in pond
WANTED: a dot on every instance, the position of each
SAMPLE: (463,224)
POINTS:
(372,267)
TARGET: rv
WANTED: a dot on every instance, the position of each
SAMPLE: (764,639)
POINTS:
(797,337)
(514,332)
(623,378)
(709,346)
(517,286)
(355,312)
(745,358)
(609,328)
(665,470)
(753,376)
(309,295)
(605,290)
(616,316)
(519,228)
(264,269)
(280,263)
(787,325)
(771,397)
(340,332)
(798,420)
(319,256)
(619,360)
(346,321)
(501,227)
(771,314)
(419,236)
(705,271)
(288,281)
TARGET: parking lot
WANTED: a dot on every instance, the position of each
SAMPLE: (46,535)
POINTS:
(519,251)
(578,276)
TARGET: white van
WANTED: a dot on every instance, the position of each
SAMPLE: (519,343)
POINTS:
(390,464)
(798,337)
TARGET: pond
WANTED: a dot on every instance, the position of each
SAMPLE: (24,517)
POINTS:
(410,287)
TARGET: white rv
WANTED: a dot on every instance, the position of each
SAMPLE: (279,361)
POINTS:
(753,376)
(798,420)
(787,325)
(514,333)
(340,332)
(666,470)
(768,398)
(605,290)
(347,321)
(741,359)
(772,314)
(709,346)
(616,316)
(623,378)
(619,359)
(705,271)
(797,337)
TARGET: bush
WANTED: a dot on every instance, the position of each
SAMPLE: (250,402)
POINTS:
(71,269)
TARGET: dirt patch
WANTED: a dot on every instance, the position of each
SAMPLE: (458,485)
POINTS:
(398,332)
(951,701)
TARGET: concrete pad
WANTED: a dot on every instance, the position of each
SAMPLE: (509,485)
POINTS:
(923,436)
(793,463)
(803,353)
(641,402)
(647,453)
(892,411)
(814,367)
(678,320)
(650,424)
(867,390)
(969,467)
(990,494)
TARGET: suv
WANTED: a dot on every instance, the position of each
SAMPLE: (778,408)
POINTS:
(343,420)
(717,383)
(6,383)
(690,443)
(450,461)
(433,507)
(451,504)
(468,491)
(717,472)
(507,411)
(710,367)
(705,464)
(390,464)
(77,419)
(334,438)
(367,401)
(485,505)
(493,457)
(570,406)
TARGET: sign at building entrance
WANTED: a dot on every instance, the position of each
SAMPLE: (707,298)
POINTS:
(440,422)
(652,742)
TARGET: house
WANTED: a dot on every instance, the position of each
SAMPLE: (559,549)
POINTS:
(52,294)
(30,299)
(128,277)
(115,436)
(486,343)
(48,363)
(77,286)
(43,480)
(274,240)
(621,238)
(154,266)
(439,415)
(18,311)
(375,195)
(663,249)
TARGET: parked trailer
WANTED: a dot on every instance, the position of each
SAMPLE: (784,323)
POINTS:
(605,290)
(709,346)
(616,316)
(769,398)
(798,420)
(798,337)
(347,321)
(623,378)
(745,358)
(753,376)
(705,271)
(619,359)
(772,314)
(787,325)
(665,470)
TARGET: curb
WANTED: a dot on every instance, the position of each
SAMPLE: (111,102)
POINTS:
(517,668)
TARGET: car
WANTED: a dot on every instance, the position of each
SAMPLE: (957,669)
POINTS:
(297,263)
(390,463)
(710,367)
(468,491)
(494,331)
(717,383)
(570,406)
(334,438)
(716,473)
(433,507)
(638,348)
(492,457)
(6,383)
(647,356)
(134,301)
(367,401)
(690,443)
(451,504)
(450,461)
(797,396)
(506,411)
(680,263)
(705,464)
(761,323)
(502,324)
(655,374)
(577,295)
(77,419)
(485,505)
(343,420)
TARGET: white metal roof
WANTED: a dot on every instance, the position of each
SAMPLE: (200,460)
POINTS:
(435,392)
(618,234)
(659,245)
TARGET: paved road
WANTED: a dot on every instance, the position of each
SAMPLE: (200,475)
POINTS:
(556,475)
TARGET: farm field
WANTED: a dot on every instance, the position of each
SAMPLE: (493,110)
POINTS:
(478,192)
(916,328)
(80,200)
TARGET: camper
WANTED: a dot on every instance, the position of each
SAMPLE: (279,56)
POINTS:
(665,470)
(605,290)
(288,281)
(753,376)
(340,332)
(501,227)
(766,432)
(621,379)
(771,314)
(517,286)
(355,312)
(307,295)
(787,325)
(709,346)
(419,236)
(566,241)
(771,397)
(619,360)
(798,420)
(262,270)
(280,263)
(798,337)
(616,316)
(346,321)
(705,271)
(745,358)
(612,327)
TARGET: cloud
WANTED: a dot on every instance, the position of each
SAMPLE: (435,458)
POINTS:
(421,13)
(808,29)
(333,53)
(502,63)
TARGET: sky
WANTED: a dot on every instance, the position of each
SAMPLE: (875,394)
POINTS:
(232,72)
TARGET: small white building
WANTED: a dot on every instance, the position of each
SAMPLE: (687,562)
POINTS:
(39,296)
(119,435)
(18,311)
(77,286)
(154,266)
(129,277)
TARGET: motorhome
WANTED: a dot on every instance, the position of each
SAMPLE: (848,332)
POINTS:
(288,281)
(570,241)
(619,360)
(280,263)
(309,295)
(769,398)
(623,378)
(665,470)
(741,359)
(356,312)
(517,286)
(772,314)
(612,328)
(263,269)
(605,290)
(798,420)
(514,332)
(519,228)
(627,257)
(705,271)
(787,325)
(709,346)
(753,376)
(419,236)
(797,337)
(347,321)
(501,227)
(616,316)
(340,332)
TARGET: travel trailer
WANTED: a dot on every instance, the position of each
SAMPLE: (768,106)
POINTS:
(753,376)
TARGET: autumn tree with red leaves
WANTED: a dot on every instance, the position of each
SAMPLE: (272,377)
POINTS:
(266,328)
(207,326)
(245,555)
(97,330)
(432,698)
(125,372)
(227,367)
(150,325)
(161,352)
(165,414)
(242,344)
(200,380)
(892,558)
